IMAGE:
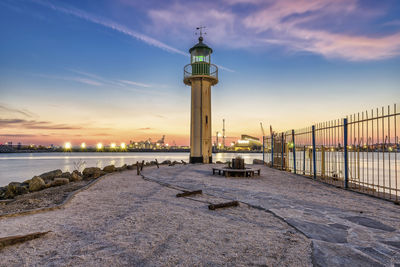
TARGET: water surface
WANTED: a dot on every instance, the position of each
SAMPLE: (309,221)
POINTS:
(18,167)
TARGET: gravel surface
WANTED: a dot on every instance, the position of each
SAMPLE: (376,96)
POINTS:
(124,220)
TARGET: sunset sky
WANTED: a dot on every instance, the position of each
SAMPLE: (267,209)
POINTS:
(112,70)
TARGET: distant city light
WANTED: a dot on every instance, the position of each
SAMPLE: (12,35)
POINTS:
(219,135)
(219,144)
(243,141)
(166,145)
(99,146)
(232,144)
(123,146)
(113,145)
(67,145)
(83,145)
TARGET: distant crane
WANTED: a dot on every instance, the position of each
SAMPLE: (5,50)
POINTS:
(161,141)
(223,133)
(262,129)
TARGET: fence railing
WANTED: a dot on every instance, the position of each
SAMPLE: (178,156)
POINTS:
(358,152)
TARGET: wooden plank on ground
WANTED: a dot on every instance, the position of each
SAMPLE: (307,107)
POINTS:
(223,205)
(11,240)
(189,193)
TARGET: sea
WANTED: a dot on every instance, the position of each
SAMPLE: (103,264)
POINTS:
(18,167)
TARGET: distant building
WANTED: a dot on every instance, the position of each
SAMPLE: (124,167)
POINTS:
(248,142)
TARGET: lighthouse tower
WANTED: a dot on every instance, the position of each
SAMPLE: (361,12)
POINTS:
(200,74)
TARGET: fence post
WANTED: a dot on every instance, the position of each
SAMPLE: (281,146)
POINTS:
(313,153)
(272,150)
(294,152)
(346,156)
(283,147)
(263,149)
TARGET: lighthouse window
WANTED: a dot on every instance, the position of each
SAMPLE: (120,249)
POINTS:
(200,59)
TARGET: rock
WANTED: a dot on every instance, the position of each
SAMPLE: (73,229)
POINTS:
(219,162)
(20,190)
(59,181)
(75,177)
(109,169)
(122,168)
(14,189)
(36,184)
(66,175)
(77,172)
(258,161)
(27,181)
(3,192)
(131,167)
(11,190)
(167,162)
(51,175)
(92,172)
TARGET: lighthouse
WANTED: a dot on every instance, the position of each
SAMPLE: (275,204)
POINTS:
(200,74)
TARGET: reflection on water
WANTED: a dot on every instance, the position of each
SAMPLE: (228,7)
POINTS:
(20,167)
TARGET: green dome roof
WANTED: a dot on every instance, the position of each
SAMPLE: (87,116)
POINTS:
(200,45)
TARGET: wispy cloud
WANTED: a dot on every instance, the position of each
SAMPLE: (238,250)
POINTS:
(33,124)
(135,83)
(7,109)
(111,25)
(18,135)
(145,129)
(395,22)
(72,79)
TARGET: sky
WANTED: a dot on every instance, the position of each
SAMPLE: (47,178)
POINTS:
(112,70)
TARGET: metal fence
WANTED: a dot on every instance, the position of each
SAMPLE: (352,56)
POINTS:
(358,152)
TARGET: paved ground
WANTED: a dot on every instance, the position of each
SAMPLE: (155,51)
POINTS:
(346,228)
(124,220)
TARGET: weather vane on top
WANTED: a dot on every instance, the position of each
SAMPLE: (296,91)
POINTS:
(200,29)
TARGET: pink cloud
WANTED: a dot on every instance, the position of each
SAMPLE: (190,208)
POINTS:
(292,24)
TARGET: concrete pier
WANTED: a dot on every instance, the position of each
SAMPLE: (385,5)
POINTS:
(346,228)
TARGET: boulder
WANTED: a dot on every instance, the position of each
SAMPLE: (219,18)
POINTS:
(59,181)
(3,192)
(11,190)
(50,175)
(166,162)
(92,172)
(77,172)
(122,168)
(109,169)
(219,162)
(131,167)
(258,161)
(75,177)
(66,175)
(36,184)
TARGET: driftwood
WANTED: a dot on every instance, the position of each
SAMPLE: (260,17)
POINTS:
(184,163)
(189,193)
(157,164)
(223,205)
(11,240)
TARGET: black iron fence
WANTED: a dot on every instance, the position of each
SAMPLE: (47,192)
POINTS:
(358,152)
